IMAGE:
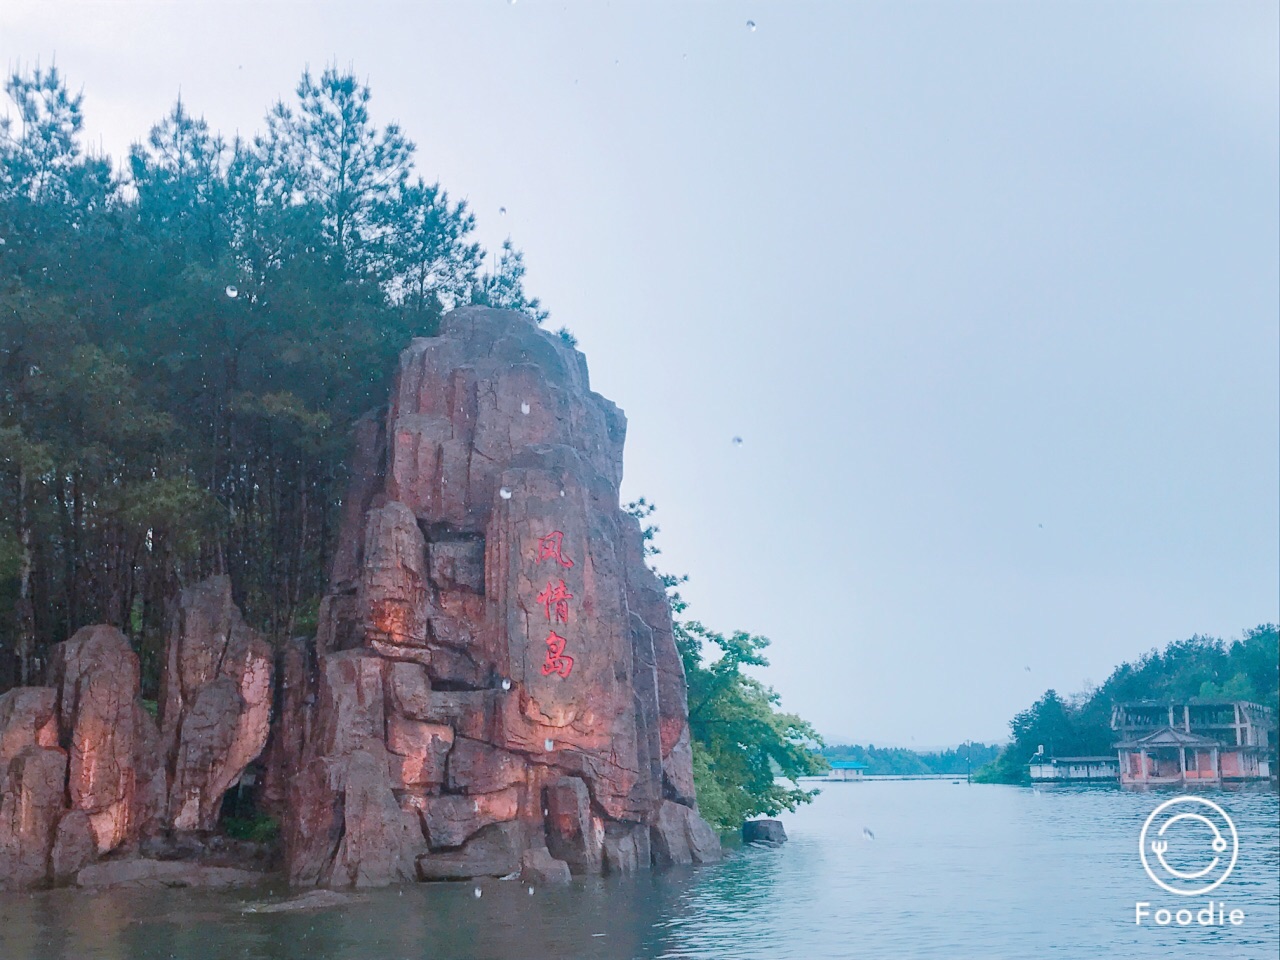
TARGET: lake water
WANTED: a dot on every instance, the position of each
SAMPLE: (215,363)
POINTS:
(954,871)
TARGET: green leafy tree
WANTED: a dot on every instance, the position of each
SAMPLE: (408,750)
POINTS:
(747,754)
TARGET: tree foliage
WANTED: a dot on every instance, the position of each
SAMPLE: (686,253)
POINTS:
(1200,667)
(185,341)
(747,753)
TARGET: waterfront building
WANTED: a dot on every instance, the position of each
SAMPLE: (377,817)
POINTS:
(1196,741)
(1049,769)
(846,770)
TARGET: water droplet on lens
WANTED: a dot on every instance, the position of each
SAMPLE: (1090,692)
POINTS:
(504,493)
(232,292)
(524,408)
(751,25)
(477,893)
(506,684)
(548,745)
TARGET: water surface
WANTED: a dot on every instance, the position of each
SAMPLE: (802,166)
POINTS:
(954,871)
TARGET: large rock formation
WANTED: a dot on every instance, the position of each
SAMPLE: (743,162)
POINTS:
(495,681)
(84,772)
(494,688)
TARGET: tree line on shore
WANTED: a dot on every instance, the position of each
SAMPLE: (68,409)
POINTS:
(901,761)
(1207,667)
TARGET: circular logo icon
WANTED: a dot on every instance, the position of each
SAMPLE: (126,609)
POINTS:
(1188,845)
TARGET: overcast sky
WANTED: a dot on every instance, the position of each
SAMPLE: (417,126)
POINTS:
(988,290)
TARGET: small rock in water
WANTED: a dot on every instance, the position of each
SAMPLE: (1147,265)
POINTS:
(767,832)
(867,834)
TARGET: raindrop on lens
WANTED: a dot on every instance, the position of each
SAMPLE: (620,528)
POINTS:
(524,408)
(504,493)
(232,292)
(751,25)
(548,745)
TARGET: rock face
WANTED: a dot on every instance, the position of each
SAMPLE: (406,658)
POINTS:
(114,773)
(215,702)
(33,776)
(79,762)
(494,684)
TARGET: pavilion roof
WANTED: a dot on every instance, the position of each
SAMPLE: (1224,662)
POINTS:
(1168,737)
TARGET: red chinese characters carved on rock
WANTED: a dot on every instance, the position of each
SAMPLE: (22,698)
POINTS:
(551,547)
(556,661)
(555,601)
(556,598)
